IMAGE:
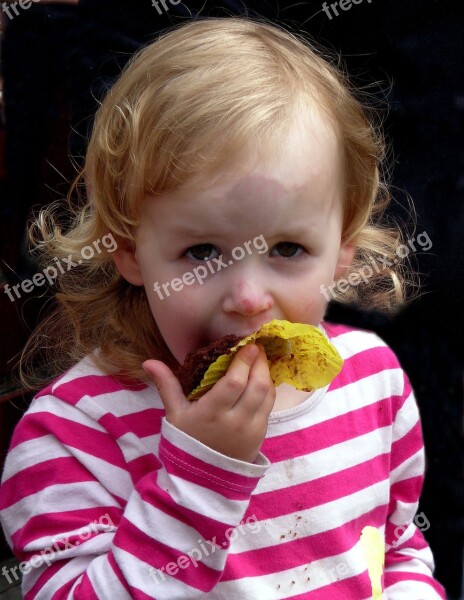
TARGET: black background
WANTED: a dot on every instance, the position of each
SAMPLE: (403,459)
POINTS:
(59,60)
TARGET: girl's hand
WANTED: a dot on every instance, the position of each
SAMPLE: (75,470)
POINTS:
(232,417)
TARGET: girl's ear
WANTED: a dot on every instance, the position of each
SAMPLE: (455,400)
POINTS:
(127,264)
(345,258)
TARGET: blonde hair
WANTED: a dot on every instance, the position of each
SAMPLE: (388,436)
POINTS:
(189,104)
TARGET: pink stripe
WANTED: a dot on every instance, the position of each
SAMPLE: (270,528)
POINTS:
(92,385)
(392,577)
(416,542)
(158,555)
(117,571)
(406,446)
(231,485)
(44,578)
(140,466)
(365,364)
(144,423)
(207,527)
(53,524)
(336,329)
(328,488)
(407,386)
(84,590)
(351,588)
(328,433)
(33,479)
(87,385)
(139,595)
(69,433)
(407,490)
(47,391)
(264,561)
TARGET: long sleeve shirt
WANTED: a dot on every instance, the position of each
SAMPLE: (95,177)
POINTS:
(103,498)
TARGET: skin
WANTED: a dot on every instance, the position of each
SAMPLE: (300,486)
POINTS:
(294,203)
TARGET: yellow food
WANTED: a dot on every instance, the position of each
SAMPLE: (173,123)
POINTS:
(297,354)
(373,548)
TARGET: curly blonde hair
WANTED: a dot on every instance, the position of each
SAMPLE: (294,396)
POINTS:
(189,104)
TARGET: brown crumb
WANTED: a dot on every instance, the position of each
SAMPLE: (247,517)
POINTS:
(293,583)
(282,536)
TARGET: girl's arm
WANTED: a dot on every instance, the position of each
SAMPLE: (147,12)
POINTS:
(88,516)
(408,561)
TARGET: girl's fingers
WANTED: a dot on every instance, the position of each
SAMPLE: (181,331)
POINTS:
(167,384)
(260,393)
(230,387)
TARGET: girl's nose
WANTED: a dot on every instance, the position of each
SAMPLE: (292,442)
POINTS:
(247,298)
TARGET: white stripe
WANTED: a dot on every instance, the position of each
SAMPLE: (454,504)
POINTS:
(110,478)
(354,342)
(148,518)
(406,418)
(411,467)
(73,569)
(293,582)
(316,520)
(33,452)
(404,512)
(177,535)
(120,403)
(402,589)
(132,446)
(47,551)
(335,458)
(421,562)
(105,581)
(353,396)
(140,575)
(63,410)
(59,498)
(195,448)
(83,368)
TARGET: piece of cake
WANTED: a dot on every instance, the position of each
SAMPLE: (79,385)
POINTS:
(297,354)
(196,363)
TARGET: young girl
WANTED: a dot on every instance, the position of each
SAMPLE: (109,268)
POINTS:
(232,142)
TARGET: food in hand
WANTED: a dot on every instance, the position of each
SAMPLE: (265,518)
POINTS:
(297,354)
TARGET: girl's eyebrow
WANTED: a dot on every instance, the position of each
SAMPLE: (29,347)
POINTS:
(296,233)
(190,232)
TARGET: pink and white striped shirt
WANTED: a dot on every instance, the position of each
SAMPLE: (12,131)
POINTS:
(103,498)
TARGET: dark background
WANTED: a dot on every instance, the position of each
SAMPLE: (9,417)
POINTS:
(58,60)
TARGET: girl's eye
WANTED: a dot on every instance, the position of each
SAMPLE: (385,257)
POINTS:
(202,252)
(287,250)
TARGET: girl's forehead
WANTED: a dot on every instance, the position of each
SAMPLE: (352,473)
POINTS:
(310,154)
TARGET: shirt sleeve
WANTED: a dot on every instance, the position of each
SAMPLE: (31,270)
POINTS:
(83,529)
(409,562)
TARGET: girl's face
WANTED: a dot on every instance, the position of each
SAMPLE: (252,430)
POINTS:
(272,237)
